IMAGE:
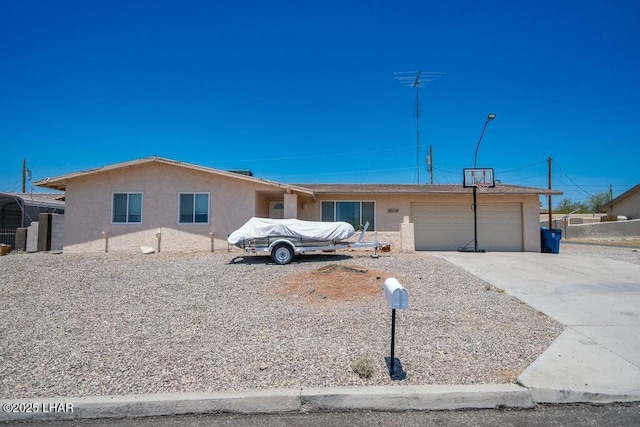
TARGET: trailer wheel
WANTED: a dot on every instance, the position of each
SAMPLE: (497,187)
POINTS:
(282,254)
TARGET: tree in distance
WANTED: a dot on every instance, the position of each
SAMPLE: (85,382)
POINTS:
(593,204)
(598,200)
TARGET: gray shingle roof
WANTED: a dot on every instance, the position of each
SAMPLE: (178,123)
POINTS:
(421,189)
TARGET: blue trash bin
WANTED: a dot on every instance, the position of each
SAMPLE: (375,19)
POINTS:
(550,240)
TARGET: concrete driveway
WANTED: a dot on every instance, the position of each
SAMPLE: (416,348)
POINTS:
(597,357)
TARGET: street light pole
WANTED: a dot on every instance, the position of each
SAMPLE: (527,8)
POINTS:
(475,196)
(475,158)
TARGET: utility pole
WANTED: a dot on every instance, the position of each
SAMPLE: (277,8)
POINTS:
(416,84)
(24,175)
(550,214)
(430,163)
(610,192)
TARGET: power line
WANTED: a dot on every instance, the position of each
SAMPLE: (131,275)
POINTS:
(345,173)
(446,171)
(528,177)
(569,178)
(319,155)
(15,186)
(522,167)
(498,172)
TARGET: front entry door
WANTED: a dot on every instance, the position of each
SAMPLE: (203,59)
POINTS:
(276,209)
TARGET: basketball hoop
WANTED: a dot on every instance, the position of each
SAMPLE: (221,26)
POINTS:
(477,178)
(482,186)
(480,179)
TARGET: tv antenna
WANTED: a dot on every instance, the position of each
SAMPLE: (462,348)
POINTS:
(415,79)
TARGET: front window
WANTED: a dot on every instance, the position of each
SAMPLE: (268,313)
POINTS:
(194,208)
(127,208)
(355,213)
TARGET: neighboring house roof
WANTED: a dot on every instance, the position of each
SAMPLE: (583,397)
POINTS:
(624,195)
(502,189)
(59,182)
(44,200)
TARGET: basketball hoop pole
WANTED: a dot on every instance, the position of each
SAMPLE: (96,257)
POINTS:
(475,187)
(475,220)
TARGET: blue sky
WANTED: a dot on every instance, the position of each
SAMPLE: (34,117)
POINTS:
(305,92)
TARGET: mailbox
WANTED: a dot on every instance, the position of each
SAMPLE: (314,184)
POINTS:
(397,296)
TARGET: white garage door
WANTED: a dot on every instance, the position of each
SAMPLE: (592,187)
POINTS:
(449,226)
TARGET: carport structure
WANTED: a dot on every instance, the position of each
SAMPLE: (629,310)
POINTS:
(21,209)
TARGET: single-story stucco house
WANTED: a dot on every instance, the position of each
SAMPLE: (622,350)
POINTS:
(137,203)
(627,204)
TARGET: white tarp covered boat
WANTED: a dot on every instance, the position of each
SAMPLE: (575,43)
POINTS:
(284,238)
(257,228)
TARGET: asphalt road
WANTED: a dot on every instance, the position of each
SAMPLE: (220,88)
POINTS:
(618,415)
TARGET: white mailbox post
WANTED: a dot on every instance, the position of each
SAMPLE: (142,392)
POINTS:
(397,298)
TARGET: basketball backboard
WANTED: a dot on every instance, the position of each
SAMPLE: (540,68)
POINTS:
(474,177)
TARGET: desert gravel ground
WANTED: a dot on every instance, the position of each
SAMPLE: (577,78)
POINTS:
(607,250)
(105,324)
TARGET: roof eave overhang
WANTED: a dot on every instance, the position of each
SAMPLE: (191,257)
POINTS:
(442,192)
(60,182)
(621,197)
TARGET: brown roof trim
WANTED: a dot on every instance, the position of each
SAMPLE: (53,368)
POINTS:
(499,189)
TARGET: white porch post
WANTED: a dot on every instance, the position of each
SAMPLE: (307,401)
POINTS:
(290,205)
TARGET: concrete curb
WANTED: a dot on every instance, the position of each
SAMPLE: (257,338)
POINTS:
(146,405)
(582,395)
(427,397)
(384,398)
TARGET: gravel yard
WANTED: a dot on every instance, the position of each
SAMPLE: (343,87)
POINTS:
(619,253)
(104,324)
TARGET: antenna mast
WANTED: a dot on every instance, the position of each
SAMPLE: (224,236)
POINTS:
(414,79)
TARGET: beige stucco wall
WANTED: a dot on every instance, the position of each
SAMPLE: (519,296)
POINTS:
(89,204)
(387,221)
(262,205)
(629,207)
(604,230)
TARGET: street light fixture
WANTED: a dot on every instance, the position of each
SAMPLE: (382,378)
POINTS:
(490,117)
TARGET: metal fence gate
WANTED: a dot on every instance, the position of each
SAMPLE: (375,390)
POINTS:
(8,236)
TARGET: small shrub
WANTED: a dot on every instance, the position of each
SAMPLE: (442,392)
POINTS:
(363,367)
